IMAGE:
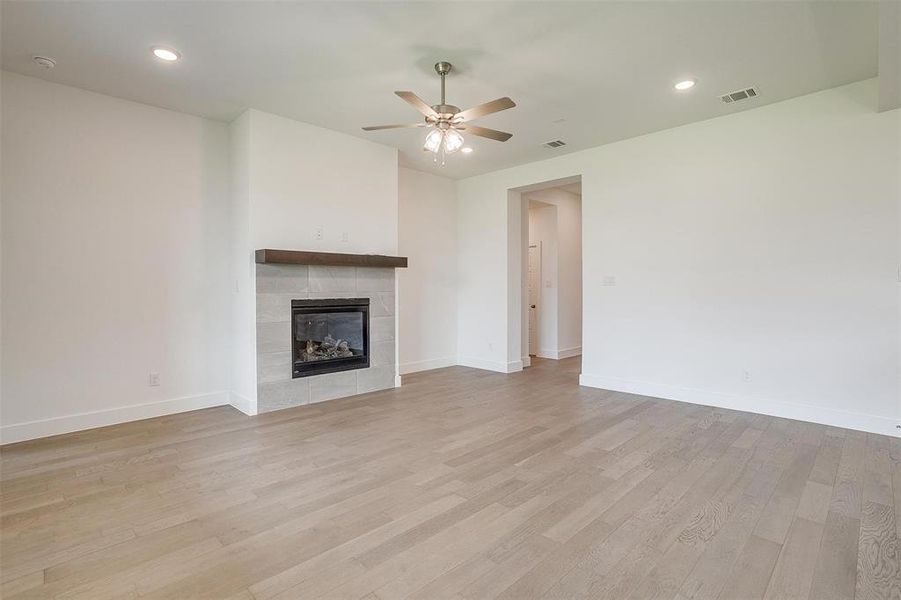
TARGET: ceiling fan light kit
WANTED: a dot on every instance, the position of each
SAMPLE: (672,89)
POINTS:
(445,121)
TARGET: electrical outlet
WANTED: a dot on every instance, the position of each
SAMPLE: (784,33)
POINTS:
(608,281)
(154,379)
(318,233)
(344,236)
(746,375)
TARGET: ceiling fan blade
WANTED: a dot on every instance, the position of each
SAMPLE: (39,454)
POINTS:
(378,127)
(417,103)
(485,109)
(493,134)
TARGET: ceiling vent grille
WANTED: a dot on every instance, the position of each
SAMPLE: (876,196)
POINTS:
(739,95)
(554,144)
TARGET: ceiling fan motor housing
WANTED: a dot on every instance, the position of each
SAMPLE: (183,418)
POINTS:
(445,111)
(443,67)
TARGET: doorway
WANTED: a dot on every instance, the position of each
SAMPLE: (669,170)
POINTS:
(551,295)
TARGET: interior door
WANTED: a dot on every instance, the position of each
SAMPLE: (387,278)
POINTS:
(534,293)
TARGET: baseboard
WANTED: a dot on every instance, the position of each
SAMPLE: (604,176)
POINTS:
(513,366)
(490,365)
(426,365)
(242,403)
(21,432)
(526,361)
(558,354)
(775,408)
(570,352)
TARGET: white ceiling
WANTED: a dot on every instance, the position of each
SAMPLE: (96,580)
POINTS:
(585,72)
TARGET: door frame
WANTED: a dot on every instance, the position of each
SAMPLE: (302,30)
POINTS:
(518,267)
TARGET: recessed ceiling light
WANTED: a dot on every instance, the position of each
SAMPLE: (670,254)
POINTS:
(166,54)
(466,150)
(44,61)
(687,84)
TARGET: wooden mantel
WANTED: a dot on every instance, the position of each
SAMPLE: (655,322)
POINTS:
(328,259)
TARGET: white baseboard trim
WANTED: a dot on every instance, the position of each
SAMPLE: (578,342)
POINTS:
(243,403)
(526,361)
(514,366)
(570,352)
(558,354)
(490,365)
(21,432)
(775,408)
(426,365)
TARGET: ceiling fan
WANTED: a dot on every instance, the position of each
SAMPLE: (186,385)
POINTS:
(446,120)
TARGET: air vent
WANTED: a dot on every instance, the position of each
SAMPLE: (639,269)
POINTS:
(739,95)
(554,144)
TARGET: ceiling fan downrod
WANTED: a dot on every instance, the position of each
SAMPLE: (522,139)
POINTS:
(443,68)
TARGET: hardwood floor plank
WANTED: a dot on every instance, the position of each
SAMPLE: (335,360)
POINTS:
(847,492)
(828,458)
(835,574)
(526,556)
(896,487)
(814,502)
(536,582)
(462,485)
(749,576)
(878,561)
(710,573)
(22,584)
(780,513)
(794,571)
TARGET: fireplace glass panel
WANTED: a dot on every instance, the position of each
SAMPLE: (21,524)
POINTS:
(328,336)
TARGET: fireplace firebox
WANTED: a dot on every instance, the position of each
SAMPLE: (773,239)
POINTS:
(329,335)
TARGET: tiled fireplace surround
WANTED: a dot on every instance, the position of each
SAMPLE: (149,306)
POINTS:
(276,286)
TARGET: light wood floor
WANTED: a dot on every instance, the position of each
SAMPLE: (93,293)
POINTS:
(462,484)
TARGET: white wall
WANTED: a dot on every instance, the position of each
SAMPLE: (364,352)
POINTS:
(303,177)
(562,319)
(517,268)
(115,241)
(427,290)
(765,241)
(482,268)
(243,391)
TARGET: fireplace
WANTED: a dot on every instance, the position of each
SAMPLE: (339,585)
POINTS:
(329,335)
